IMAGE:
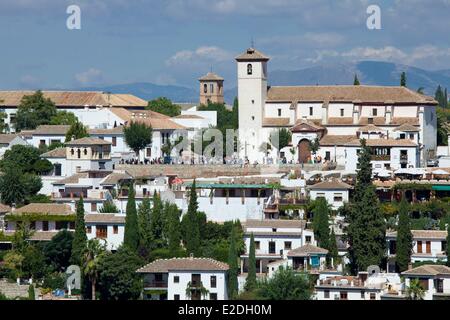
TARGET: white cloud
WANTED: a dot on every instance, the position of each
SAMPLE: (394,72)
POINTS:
(91,76)
(204,54)
(29,81)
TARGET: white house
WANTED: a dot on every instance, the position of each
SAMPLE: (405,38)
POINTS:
(316,112)
(171,279)
(428,245)
(45,135)
(7,141)
(334,191)
(434,279)
(106,227)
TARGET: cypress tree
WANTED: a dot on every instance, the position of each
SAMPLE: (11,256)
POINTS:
(156,221)
(404,237)
(131,236)
(448,244)
(356,81)
(332,248)
(145,232)
(233,265)
(192,228)
(250,282)
(31,293)
(174,228)
(321,222)
(79,237)
(403,79)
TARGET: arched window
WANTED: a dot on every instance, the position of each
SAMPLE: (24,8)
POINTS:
(72,152)
(211,88)
(79,153)
(85,152)
(249,69)
(205,88)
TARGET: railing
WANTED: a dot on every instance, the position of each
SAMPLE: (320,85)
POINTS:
(155,284)
(381,157)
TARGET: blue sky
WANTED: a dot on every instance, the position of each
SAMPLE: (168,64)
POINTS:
(176,41)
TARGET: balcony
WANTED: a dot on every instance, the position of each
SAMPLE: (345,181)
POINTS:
(155,284)
(381,157)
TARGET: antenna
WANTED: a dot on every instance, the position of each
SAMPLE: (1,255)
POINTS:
(252,43)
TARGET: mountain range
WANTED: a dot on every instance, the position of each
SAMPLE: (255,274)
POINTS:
(369,73)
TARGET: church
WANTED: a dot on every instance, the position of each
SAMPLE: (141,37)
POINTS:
(398,123)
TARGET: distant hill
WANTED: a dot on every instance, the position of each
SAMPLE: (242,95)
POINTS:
(369,72)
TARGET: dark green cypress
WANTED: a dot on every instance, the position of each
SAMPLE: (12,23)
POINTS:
(404,237)
(321,222)
(157,221)
(145,232)
(131,236)
(403,79)
(174,228)
(193,238)
(233,265)
(448,244)
(250,283)
(332,248)
(79,237)
(356,81)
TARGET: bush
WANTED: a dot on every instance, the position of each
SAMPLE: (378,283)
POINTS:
(54,281)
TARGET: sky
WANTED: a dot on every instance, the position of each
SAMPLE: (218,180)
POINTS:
(176,41)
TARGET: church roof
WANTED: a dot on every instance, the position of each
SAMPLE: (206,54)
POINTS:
(306,126)
(370,128)
(406,127)
(211,76)
(252,54)
(351,94)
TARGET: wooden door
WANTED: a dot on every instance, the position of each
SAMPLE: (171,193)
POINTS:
(419,246)
(428,246)
(304,153)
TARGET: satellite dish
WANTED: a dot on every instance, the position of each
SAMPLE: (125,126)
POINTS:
(373,270)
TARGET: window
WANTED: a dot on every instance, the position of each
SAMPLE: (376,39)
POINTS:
(274,229)
(58,170)
(72,225)
(362,294)
(211,88)
(253,118)
(249,69)
(115,229)
(176,279)
(213,296)
(148,152)
(402,136)
(42,143)
(370,120)
(257,245)
(443,246)
(343,295)
(33,225)
(279,112)
(101,165)
(85,151)
(308,239)
(287,245)
(114,141)
(79,153)
(272,247)
(205,88)
(328,155)
(342,112)
(94,206)
(419,246)
(373,296)
(176,297)
(54,141)
(213,282)
(428,246)
(338,197)
(88,229)
(320,195)
(326,294)
(374,112)
(411,136)
(310,111)
(72,152)
(61,225)
(101,232)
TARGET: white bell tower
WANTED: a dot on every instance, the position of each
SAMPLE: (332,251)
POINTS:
(252,93)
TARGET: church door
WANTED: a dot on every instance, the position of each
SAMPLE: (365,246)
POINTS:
(304,153)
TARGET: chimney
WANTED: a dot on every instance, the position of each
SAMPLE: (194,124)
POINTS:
(191,256)
(410,266)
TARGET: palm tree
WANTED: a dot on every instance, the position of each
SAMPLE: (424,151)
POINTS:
(415,291)
(91,258)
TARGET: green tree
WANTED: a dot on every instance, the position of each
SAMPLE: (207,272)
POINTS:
(4,128)
(34,110)
(314,146)
(76,131)
(109,207)
(144,218)
(34,264)
(415,291)
(233,265)
(63,118)
(404,237)
(321,222)
(280,139)
(332,247)
(91,262)
(164,106)
(31,293)
(356,81)
(157,223)
(26,158)
(403,79)
(118,279)
(235,111)
(138,136)
(192,228)
(173,228)
(58,250)
(448,246)
(131,237)
(79,238)
(286,285)
(12,261)
(250,283)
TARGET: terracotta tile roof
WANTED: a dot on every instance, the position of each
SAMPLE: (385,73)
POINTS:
(183,264)
(122,113)
(7,138)
(306,250)
(88,141)
(383,143)
(45,208)
(252,54)
(428,270)
(51,129)
(406,127)
(157,120)
(188,116)
(306,126)
(4,208)
(104,218)
(410,120)
(273,234)
(73,178)
(275,122)
(423,234)
(356,94)
(55,153)
(330,140)
(116,130)
(330,184)
(370,128)
(115,177)
(376,121)
(211,76)
(76,98)
(160,124)
(334,121)
(275,224)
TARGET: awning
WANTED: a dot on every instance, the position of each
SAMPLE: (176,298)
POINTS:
(440,188)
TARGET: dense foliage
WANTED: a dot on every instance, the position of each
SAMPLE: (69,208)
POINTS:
(164,106)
